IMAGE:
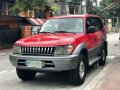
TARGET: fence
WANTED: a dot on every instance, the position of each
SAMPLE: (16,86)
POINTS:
(8,37)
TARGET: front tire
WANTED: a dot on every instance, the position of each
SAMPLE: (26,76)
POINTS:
(25,75)
(78,75)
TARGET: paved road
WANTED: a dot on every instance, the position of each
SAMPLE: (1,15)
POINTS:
(57,81)
(43,81)
(4,60)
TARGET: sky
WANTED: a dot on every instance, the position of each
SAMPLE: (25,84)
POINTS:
(98,2)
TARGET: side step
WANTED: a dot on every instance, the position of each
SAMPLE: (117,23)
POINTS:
(93,60)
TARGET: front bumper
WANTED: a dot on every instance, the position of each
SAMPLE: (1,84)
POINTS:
(52,63)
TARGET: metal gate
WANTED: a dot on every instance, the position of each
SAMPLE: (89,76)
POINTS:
(8,37)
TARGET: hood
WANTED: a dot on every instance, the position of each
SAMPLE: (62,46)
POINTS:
(47,40)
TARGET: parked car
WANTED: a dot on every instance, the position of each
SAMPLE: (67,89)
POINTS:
(65,43)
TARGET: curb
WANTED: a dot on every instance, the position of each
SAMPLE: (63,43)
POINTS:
(2,53)
(96,83)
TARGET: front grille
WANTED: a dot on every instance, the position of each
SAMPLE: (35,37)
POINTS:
(38,51)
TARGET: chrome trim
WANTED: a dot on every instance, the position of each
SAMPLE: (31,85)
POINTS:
(94,48)
(37,50)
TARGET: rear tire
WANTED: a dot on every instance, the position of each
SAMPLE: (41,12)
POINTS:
(25,75)
(102,61)
(77,76)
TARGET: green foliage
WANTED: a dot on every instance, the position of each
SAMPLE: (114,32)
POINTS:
(107,2)
(73,1)
(54,8)
(93,9)
(89,7)
(24,5)
(115,12)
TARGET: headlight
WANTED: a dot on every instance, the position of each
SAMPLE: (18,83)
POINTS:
(16,49)
(64,50)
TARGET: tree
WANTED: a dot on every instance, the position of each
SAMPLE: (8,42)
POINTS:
(113,12)
(25,5)
(89,7)
(54,9)
(77,3)
(73,5)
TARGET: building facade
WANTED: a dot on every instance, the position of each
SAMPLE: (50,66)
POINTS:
(9,25)
(5,6)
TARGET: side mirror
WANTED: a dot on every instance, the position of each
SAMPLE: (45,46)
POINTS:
(91,29)
(38,30)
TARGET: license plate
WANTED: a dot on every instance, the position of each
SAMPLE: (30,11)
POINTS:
(36,64)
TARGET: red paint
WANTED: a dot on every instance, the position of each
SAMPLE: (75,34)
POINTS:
(91,40)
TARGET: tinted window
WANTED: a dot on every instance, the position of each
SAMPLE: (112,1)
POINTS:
(99,23)
(94,21)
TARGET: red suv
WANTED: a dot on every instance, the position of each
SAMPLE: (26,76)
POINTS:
(65,43)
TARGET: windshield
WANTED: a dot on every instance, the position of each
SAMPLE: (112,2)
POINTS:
(73,25)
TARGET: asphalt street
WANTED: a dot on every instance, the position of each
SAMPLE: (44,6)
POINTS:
(96,76)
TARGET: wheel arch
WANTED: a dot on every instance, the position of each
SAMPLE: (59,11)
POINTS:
(82,49)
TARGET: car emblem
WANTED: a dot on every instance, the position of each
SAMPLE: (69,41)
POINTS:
(38,39)
(36,50)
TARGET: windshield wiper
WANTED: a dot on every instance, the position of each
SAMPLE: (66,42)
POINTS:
(46,32)
(64,32)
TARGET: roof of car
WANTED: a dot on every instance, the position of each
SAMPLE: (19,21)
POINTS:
(74,16)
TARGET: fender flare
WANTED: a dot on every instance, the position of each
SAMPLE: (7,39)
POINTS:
(82,48)
(79,48)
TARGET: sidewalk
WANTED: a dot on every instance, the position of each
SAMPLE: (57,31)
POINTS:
(108,78)
(112,82)
(2,53)
(5,51)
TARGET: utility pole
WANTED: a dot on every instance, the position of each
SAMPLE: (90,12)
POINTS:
(1,1)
